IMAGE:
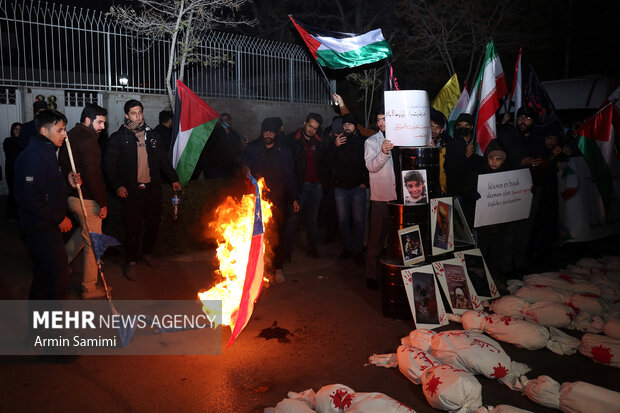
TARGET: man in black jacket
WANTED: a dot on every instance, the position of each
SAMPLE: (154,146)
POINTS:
(134,163)
(306,148)
(41,195)
(461,166)
(87,158)
(346,154)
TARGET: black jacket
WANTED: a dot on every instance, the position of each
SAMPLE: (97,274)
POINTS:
(276,166)
(349,166)
(296,143)
(461,171)
(40,188)
(121,160)
(87,157)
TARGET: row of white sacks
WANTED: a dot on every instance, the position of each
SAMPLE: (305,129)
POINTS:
(338,398)
(445,364)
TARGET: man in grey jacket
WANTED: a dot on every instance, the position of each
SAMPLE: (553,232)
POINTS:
(378,158)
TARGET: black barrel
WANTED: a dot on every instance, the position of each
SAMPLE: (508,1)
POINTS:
(394,297)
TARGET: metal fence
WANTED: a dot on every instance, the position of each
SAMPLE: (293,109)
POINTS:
(51,45)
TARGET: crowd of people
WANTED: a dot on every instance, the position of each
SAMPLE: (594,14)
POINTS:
(344,170)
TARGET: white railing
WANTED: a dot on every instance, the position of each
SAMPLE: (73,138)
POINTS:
(51,45)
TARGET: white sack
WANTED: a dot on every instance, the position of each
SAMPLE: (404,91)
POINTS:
(412,362)
(612,328)
(419,338)
(449,388)
(550,314)
(510,305)
(561,343)
(306,396)
(333,398)
(471,351)
(587,303)
(376,403)
(588,324)
(537,293)
(544,391)
(581,397)
(602,349)
(521,333)
(573,283)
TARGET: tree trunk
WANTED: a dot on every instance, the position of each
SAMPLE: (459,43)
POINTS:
(173,43)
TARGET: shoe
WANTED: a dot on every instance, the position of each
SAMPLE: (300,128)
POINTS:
(96,292)
(372,284)
(280,277)
(129,271)
(345,254)
(314,253)
(150,260)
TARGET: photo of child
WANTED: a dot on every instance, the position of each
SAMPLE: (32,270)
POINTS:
(414,187)
(424,298)
(457,286)
(411,245)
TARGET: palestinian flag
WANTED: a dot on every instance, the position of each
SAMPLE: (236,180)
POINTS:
(194,121)
(337,50)
(597,143)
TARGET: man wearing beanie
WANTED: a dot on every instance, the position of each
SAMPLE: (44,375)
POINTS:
(267,158)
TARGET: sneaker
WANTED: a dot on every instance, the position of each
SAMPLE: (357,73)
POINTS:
(150,260)
(129,271)
(96,292)
(280,277)
(314,253)
(372,284)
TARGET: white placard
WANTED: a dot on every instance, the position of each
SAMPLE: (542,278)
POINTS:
(478,273)
(407,117)
(456,285)
(424,297)
(504,197)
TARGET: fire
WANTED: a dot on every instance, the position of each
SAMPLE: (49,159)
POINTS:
(233,225)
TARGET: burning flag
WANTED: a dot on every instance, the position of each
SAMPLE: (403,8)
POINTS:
(241,257)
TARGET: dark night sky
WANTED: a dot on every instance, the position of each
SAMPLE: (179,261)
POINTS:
(545,31)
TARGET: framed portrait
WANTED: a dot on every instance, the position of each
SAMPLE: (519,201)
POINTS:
(442,231)
(424,297)
(414,187)
(462,232)
(456,285)
(411,245)
(478,273)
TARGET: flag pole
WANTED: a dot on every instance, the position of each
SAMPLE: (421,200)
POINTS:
(79,189)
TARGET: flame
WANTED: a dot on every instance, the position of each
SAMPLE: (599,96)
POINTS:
(233,224)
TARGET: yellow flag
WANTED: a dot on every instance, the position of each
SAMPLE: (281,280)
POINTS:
(448,96)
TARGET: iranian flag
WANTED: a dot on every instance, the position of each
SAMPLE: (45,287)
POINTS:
(193,123)
(489,88)
(596,141)
(337,50)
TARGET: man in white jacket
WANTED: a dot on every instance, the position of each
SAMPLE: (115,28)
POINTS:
(378,157)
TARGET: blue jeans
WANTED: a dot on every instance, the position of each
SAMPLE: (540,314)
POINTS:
(351,204)
(309,204)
